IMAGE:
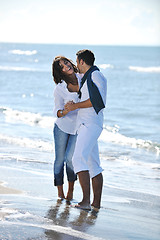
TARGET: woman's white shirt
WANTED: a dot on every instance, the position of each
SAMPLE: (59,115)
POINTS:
(61,96)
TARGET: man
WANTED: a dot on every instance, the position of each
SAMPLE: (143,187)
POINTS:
(86,160)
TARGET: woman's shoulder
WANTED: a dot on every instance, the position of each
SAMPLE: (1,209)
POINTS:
(61,89)
(61,86)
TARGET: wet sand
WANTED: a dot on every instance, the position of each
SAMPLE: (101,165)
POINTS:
(29,209)
(7,190)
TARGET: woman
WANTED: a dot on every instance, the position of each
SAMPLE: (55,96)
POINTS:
(67,85)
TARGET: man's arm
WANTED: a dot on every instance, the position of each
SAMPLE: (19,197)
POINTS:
(73,106)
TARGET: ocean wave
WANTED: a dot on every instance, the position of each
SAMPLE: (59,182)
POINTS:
(111,134)
(27,142)
(142,191)
(38,172)
(145,69)
(11,68)
(27,117)
(21,52)
(104,66)
(19,158)
(127,161)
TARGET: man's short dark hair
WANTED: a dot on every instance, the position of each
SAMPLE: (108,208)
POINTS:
(87,56)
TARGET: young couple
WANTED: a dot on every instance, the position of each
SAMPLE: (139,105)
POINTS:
(80,97)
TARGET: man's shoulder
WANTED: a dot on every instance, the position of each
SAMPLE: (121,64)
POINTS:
(98,74)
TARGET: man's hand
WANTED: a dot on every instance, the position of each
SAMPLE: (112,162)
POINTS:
(70,106)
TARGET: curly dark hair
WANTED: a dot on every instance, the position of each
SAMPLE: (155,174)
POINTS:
(57,73)
(87,56)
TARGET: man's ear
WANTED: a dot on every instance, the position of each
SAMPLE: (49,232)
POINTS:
(81,62)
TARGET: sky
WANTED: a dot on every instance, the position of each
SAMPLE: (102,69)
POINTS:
(93,22)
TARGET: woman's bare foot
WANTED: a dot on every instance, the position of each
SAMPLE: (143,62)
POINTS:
(60,192)
(69,196)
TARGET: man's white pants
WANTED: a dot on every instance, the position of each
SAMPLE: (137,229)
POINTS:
(86,154)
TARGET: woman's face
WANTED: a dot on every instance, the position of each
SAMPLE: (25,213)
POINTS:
(66,67)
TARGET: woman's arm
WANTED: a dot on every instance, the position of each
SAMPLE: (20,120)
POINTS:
(62,113)
(59,94)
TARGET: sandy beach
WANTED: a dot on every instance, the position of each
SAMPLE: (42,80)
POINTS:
(7,190)
(30,210)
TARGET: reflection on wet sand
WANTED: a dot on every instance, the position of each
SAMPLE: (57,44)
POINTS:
(63,214)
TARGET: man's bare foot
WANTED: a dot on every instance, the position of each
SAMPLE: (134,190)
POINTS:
(83,205)
(95,205)
(60,197)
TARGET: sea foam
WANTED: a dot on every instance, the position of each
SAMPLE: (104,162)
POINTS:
(27,142)
(104,66)
(27,117)
(11,68)
(21,69)
(112,135)
(21,52)
(109,134)
(145,69)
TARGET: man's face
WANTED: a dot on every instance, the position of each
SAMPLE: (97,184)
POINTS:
(79,66)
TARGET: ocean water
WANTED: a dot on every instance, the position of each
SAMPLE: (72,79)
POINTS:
(130,142)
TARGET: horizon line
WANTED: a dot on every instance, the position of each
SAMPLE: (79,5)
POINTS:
(82,44)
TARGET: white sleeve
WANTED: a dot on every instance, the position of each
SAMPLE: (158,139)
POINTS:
(58,101)
(101,83)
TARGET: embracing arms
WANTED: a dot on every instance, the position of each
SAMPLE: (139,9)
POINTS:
(70,106)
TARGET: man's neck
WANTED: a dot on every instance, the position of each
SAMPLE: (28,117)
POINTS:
(86,68)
